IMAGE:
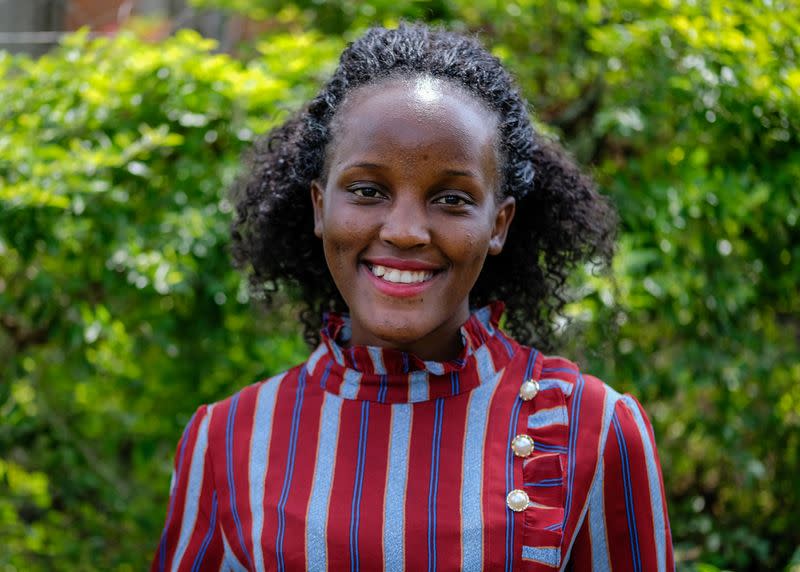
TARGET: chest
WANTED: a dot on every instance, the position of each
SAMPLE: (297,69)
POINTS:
(335,484)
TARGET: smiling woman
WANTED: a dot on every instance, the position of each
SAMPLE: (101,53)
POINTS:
(407,202)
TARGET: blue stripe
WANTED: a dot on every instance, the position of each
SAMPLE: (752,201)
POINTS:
(382,389)
(609,400)
(229,560)
(418,387)
(549,448)
(573,439)
(259,460)
(433,485)
(455,383)
(323,382)
(435,367)
(311,363)
(546,483)
(394,501)
(212,525)
(229,466)
(545,417)
(545,555)
(552,383)
(509,562)
(484,316)
(597,525)
(376,355)
(472,472)
(660,529)
(483,359)
(556,526)
(162,545)
(350,384)
(317,519)
(355,507)
(507,344)
(193,489)
(287,478)
(626,485)
(559,369)
(337,353)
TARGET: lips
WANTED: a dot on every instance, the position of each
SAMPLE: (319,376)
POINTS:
(400,277)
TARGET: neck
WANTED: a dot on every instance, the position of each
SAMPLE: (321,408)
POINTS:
(441,344)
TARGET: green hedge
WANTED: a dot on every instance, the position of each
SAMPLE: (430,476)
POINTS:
(119,312)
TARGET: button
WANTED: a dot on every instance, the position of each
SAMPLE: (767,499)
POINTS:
(522,445)
(517,500)
(528,390)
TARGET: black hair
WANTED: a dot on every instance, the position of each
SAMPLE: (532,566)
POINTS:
(561,220)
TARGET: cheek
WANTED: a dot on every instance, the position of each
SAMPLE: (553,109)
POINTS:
(468,248)
(344,235)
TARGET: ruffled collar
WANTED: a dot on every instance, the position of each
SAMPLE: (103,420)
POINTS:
(388,375)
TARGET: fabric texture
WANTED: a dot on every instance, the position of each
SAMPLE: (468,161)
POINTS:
(366,458)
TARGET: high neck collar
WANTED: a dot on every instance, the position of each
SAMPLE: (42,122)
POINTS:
(389,375)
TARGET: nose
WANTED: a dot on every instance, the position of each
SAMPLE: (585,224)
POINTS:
(406,225)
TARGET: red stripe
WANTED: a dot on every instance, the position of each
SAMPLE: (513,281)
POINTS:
(294,538)
(373,489)
(173,526)
(448,517)
(342,488)
(242,434)
(419,471)
(586,448)
(619,543)
(276,469)
(641,495)
(494,470)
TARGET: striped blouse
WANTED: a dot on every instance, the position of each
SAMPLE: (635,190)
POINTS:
(365,458)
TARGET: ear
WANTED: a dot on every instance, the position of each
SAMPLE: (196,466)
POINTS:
(317,194)
(502,221)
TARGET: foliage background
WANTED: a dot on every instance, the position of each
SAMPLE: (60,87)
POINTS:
(119,312)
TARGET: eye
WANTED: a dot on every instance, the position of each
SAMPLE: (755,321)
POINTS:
(365,192)
(453,199)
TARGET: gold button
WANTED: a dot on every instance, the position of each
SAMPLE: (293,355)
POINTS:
(522,445)
(528,390)
(517,500)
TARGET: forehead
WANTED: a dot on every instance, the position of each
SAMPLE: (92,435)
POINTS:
(412,116)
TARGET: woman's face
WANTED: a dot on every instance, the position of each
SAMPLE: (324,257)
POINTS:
(408,213)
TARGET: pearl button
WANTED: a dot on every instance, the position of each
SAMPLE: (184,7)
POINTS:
(522,445)
(517,500)
(528,390)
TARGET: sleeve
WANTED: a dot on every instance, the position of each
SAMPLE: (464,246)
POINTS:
(192,539)
(634,508)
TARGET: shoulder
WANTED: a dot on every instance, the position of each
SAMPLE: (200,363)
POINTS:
(593,404)
(247,406)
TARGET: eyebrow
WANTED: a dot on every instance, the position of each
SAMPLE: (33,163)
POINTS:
(459,173)
(448,172)
(362,165)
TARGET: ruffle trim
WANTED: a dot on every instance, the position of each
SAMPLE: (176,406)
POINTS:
(544,473)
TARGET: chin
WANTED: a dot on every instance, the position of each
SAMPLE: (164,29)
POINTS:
(399,332)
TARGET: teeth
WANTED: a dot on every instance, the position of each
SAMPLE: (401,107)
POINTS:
(400,276)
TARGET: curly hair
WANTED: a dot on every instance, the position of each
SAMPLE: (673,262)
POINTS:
(561,220)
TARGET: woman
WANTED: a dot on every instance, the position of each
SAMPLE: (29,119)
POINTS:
(408,201)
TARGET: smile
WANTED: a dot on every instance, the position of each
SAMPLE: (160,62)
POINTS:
(397,276)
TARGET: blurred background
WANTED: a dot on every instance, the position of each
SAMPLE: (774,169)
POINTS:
(122,124)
